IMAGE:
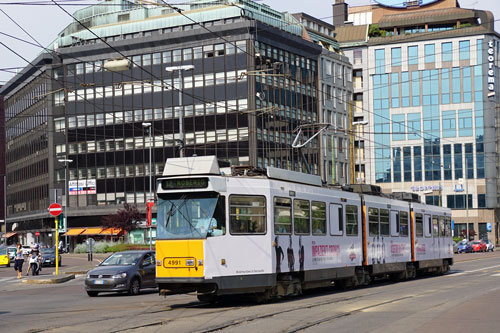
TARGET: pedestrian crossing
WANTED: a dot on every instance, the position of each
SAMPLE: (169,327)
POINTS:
(8,279)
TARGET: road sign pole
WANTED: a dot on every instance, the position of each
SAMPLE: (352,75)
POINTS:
(57,246)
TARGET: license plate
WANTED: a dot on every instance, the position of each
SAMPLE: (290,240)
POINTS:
(98,282)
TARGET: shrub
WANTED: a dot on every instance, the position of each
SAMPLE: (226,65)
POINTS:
(81,248)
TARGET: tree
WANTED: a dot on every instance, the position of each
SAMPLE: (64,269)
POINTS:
(126,218)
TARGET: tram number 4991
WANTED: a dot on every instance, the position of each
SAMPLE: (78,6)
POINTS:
(177,262)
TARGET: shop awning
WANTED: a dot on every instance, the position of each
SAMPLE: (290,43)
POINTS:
(9,234)
(111,231)
(91,231)
(74,231)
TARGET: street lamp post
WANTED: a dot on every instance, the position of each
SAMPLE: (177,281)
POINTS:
(66,196)
(357,123)
(180,69)
(151,197)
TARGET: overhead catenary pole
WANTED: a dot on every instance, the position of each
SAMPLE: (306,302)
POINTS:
(66,198)
(180,69)
(151,197)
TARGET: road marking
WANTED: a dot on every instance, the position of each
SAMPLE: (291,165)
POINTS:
(498,274)
(473,271)
(8,279)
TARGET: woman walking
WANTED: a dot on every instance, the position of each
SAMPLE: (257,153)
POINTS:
(18,266)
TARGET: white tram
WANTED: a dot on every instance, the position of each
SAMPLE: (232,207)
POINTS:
(277,234)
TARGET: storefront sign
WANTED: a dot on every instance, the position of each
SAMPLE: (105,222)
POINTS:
(491,65)
(459,188)
(489,227)
(80,187)
(427,188)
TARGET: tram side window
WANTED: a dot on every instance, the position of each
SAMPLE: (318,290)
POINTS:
(318,213)
(247,214)
(373,221)
(394,223)
(282,216)
(441,226)
(427,226)
(384,222)
(301,217)
(336,220)
(435,227)
(419,225)
(448,226)
(351,227)
(403,223)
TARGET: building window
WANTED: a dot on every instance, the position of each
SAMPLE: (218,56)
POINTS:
(414,126)
(398,123)
(395,90)
(467,84)
(464,50)
(455,73)
(481,201)
(407,163)
(445,86)
(449,124)
(446,51)
(458,161)
(396,56)
(405,89)
(447,162)
(469,160)
(415,88)
(429,50)
(417,163)
(412,55)
(458,201)
(396,155)
(464,123)
(380,61)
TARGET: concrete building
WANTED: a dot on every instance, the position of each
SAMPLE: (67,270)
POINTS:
(85,108)
(428,73)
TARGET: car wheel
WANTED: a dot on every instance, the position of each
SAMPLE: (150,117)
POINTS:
(135,287)
(92,293)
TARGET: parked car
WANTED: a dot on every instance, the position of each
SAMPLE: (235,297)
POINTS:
(12,253)
(49,257)
(127,271)
(455,247)
(489,245)
(464,247)
(4,257)
(26,250)
(478,246)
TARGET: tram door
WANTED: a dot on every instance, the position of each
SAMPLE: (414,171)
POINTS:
(428,236)
(435,237)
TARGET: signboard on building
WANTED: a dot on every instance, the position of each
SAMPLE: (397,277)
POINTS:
(491,66)
(427,188)
(459,188)
(80,187)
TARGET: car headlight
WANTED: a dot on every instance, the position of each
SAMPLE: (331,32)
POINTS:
(119,276)
(88,276)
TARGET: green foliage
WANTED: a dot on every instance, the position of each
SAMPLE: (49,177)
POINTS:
(374,31)
(81,248)
(127,247)
(457,239)
(465,25)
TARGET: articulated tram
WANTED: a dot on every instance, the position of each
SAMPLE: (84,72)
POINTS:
(278,233)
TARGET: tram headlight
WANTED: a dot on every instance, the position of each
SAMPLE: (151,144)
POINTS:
(189,262)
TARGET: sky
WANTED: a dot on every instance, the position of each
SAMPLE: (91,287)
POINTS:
(44,22)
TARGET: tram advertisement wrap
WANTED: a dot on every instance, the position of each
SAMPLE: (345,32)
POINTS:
(325,254)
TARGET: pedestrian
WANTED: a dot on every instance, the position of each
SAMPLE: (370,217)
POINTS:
(18,266)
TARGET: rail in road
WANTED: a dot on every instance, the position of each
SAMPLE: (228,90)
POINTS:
(460,300)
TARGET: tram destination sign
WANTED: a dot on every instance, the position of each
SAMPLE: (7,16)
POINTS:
(184,183)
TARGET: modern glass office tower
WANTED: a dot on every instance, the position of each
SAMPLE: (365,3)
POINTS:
(249,79)
(431,101)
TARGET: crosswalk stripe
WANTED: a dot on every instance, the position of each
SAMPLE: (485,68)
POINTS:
(498,274)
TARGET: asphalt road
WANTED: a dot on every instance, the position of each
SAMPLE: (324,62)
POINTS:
(465,300)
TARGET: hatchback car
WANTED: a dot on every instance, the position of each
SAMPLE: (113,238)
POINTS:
(127,271)
(464,247)
(49,257)
(478,246)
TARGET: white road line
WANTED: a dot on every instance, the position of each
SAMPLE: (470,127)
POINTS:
(498,274)
(473,271)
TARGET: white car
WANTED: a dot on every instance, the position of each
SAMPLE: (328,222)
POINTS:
(489,245)
(26,250)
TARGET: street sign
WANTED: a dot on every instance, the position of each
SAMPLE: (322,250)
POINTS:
(37,234)
(55,209)
(90,244)
(153,221)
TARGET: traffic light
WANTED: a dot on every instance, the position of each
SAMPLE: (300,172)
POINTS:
(61,222)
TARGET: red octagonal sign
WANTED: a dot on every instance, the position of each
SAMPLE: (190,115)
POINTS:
(55,209)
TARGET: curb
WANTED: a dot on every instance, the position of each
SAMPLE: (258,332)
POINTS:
(60,279)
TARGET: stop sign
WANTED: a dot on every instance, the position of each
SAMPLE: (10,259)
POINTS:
(37,234)
(55,209)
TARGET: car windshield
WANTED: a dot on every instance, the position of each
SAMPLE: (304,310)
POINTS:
(122,259)
(48,251)
(476,242)
(3,251)
(463,243)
